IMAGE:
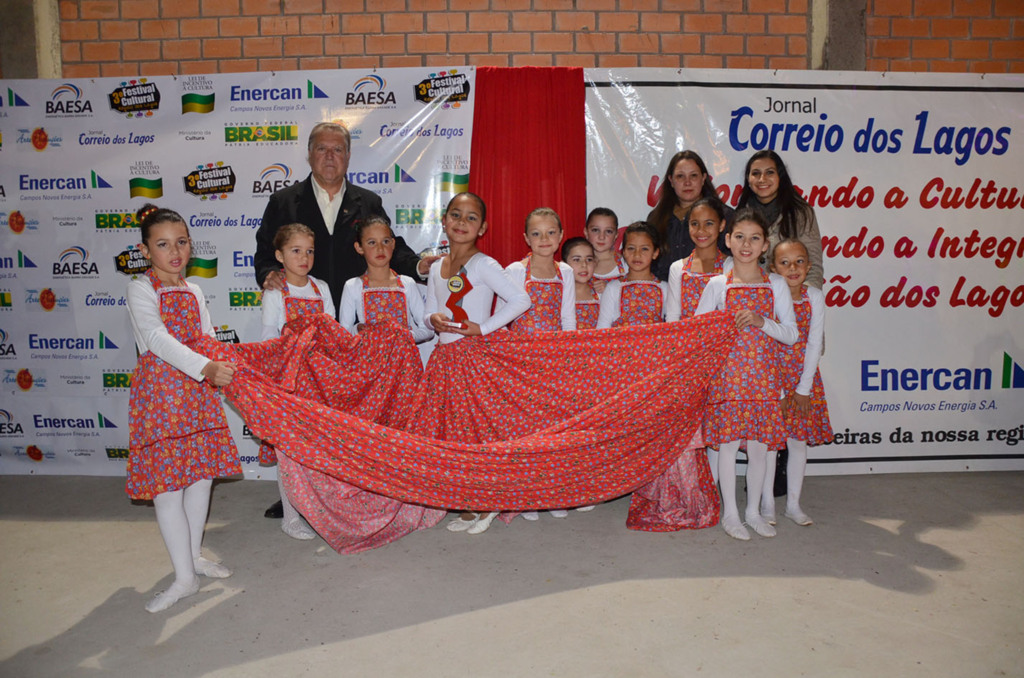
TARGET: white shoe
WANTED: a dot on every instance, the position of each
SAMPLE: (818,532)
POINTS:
(482,523)
(759,525)
(460,524)
(173,594)
(734,528)
(208,568)
(587,508)
(768,514)
(799,517)
(530,515)
(297,528)
(559,513)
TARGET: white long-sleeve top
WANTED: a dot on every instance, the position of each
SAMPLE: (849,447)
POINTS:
(273,305)
(611,302)
(152,335)
(784,330)
(815,339)
(517,272)
(674,301)
(353,312)
(488,279)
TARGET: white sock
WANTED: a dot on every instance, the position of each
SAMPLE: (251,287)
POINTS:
(174,528)
(768,486)
(757,461)
(727,477)
(196,501)
(796,468)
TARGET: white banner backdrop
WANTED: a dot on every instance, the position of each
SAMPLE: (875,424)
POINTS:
(78,158)
(916,181)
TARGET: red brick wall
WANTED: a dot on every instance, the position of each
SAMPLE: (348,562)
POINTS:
(980,36)
(151,37)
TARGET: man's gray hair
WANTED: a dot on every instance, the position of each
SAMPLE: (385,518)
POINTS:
(329,127)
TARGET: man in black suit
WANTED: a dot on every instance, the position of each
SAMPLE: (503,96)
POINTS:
(325,197)
(332,207)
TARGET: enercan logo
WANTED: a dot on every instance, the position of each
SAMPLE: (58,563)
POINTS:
(9,427)
(396,175)
(212,181)
(74,263)
(6,346)
(447,89)
(66,101)
(877,378)
(43,422)
(272,178)
(239,93)
(22,261)
(1013,373)
(38,342)
(371,91)
(135,98)
(13,100)
(93,181)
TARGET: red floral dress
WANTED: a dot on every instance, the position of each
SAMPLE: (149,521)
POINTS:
(814,429)
(546,313)
(684,497)
(692,284)
(177,433)
(743,400)
(385,304)
(294,308)
(587,312)
(640,303)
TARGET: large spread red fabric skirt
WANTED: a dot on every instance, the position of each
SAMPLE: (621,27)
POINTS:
(506,422)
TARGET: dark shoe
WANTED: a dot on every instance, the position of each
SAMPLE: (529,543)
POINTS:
(276,510)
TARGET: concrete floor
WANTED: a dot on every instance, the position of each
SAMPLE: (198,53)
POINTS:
(903,575)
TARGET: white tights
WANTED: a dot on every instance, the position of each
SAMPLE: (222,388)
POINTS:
(796,468)
(757,460)
(181,516)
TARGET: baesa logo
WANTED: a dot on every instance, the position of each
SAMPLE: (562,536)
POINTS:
(370,91)
(74,263)
(9,427)
(6,347)
(272,178)
(66,101)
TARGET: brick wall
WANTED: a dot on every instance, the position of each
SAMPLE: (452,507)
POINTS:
(981,36)
(152,37)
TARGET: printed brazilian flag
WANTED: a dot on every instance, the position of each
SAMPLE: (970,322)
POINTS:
(201,268)
(146,188)
(197,103)
(454,183)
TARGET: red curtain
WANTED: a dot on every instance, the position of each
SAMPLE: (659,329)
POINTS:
(529,151)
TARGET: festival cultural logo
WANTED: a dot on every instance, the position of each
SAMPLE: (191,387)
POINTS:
(135,98)
(212,181)
(273,178)
(370,91)
(67,101)
(447,89)
(226,335)
(130,261)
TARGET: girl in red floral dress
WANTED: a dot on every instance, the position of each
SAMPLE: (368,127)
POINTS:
(579,254)
(551,286)
(602,230)
(639,297)
(804,407)
(743,400)
(178,437)
(302,295)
